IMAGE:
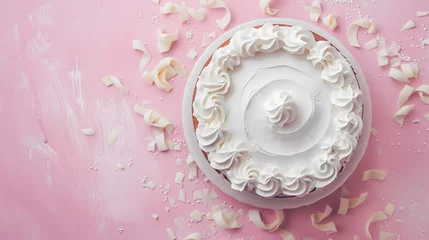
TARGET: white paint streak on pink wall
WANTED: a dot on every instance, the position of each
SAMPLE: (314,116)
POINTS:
(37,46)
(75,76)
(42,15)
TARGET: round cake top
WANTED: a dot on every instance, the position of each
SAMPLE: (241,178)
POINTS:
(278,122)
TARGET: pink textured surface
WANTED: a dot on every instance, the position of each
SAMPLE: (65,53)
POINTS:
(52,56)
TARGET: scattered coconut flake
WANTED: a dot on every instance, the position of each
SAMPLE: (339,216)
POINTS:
(170,8)
(356,237)
(316,218)
(255,217)
(344,206)
(194,236)
(155,216)
(425,42)
(207,197)
(179,178)
(422,14)
(353,28)
(178,162)
(167,209)
(209,216)
(151,185)
(344,192)
(371,44)
(375,217)
(402,113)
(224,218)
(374,132)
(426,116)
(404,95)
(155,1)
(189,34)
(109,80)
(374,174)
(196,215)
(113,137)
(264,5)
(139,45)
(398,75)
(192,54)
(355,202)
(411,70)
(330,21)
(423,90)
(315,10)
(386,235)
(192,167)
(167,186)
(88,131)
(286,235)
(213,194)
(170,234)
(212,34)
(166,69)
(198,195)
(382,59)
(409,25)
(120,166)
(197,14)
(223,22)
(165,40)
(182,195)
(389,209)
(205,40)
(399,221)
(213,228)
(394,49)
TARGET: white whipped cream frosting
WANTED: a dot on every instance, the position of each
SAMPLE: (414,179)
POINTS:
(280,109)
(232,158)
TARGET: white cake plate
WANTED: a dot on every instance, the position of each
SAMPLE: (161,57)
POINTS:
(248,197)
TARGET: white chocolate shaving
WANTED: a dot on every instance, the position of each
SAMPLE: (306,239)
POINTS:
(264,5)
(344,206)
(155,216)
(212,34)
(192,54)
(113,137)
(223,22)
(423,90)
(374,174)
(197,14)
(170,8)
(172,202)
(151,185)
(355,202)
(422,14)
(179,178)
(170,234)
(286,235)
(330,21)
(154,119)
(194,236)
(386,235)
(192,167)
(213,194)
(255,217)
(316,218)
(206,40)
(398,75)
(155,1)
(165,40)
(88,131)
(402,113)
(225,219)
(394,49)
(139,45)
(408,25)
(372,29)
(371,44)
(198,195)
(353,28)
(355,237)
(404,95)
(389,209)
(109,80)
(344,192)
(395,62)
(196,215)
(374,132)
(207,197)
(425,41)
(182,195)
(375,217)
(166,69)
(315,11)
(120,166)
(410,70)
(383,60)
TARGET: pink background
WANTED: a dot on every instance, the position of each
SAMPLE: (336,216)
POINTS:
(52,56)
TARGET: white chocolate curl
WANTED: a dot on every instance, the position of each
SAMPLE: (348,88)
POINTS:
(316,218)
(374,174)
(330,21)
(139,45)
(165,40)
(354,27)
(166,69)
(402,113)
(264,5)
(223,22)
(375,217)
(255,217)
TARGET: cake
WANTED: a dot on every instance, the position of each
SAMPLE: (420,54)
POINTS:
(278,111)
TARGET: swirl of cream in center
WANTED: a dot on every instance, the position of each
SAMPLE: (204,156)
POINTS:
(280,109)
